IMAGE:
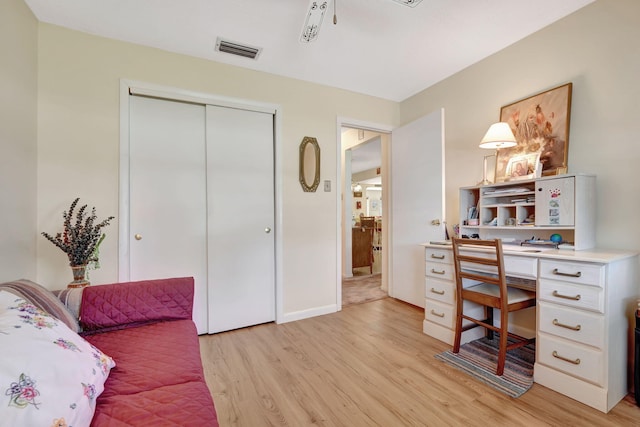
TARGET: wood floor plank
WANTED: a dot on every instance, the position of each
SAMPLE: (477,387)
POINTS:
(368,365)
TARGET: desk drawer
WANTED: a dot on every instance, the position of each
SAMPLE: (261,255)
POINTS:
(574,359)
(445,314)
(583,297)
(439,290)
(521,266)
(577,325)
(442,314)
(513,265)
(439,255)
(575,272)
(439,271)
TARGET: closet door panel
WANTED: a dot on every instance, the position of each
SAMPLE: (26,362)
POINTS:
(240,200)
(167,184)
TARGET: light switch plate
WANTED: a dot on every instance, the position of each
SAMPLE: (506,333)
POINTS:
(327,186)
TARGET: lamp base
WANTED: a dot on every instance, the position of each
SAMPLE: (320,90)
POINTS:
(485,181)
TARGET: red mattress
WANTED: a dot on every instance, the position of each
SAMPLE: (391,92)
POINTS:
(158,378)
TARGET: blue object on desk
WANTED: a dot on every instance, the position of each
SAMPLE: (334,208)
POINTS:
(556,238)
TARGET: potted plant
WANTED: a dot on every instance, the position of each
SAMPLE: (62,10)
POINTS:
(80,240)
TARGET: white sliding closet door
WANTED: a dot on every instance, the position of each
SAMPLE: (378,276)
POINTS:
(167,194)
(201,204)
(240,187)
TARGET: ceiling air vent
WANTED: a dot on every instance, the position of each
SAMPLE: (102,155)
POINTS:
(234,48)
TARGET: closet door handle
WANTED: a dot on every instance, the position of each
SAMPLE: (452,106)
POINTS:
(267,230)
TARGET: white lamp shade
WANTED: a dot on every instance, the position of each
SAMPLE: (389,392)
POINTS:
(499,135)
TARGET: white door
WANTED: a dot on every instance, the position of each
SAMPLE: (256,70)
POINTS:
(202,204)
(417,209)
(240,189)
(167,195)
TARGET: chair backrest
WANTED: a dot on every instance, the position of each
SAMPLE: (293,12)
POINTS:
(368,221)
(480,261)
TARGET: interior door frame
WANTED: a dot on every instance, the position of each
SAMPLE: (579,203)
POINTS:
(341,221)
(172,93)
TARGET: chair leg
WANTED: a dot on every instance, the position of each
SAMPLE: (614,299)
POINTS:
(489,317)
(502,349)
(458,330)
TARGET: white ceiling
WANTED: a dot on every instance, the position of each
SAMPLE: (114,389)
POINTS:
(366,156)
(378,47)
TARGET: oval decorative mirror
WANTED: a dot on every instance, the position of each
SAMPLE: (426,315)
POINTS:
(309,164)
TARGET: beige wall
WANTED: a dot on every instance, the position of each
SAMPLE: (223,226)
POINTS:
(77,97)
(598,49)
(78,144)
(18,112)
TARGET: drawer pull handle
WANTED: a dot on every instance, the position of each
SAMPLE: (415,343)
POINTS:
(434,256)
(437,292)
(434,271)
(436,313)
(560,273)
(562,325)
(575,298)
(557,356)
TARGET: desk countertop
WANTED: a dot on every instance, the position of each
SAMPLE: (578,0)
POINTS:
(599,255)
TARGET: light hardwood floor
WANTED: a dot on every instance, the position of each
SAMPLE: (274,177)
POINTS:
(368,365)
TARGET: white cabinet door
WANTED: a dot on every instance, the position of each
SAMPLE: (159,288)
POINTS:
(555,202)
(417,177)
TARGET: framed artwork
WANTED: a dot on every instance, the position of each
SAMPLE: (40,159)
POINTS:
(540,124)
(526,166)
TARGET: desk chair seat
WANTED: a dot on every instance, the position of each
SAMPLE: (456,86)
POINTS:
(480,278)
(513,295)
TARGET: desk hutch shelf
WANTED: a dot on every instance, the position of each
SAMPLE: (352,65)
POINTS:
(516,211)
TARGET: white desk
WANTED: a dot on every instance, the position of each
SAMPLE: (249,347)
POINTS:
(584,316)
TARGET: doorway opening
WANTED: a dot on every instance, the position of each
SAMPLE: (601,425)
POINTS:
(363,209)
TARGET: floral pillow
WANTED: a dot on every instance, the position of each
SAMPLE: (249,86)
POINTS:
(49,375)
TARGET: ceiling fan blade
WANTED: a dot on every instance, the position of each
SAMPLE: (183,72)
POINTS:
(315,16)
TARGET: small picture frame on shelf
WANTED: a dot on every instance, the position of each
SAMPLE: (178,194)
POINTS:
(523,167)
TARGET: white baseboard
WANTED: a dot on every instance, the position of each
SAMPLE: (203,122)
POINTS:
(312,312)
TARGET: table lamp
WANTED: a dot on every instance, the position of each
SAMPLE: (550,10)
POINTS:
(498,136)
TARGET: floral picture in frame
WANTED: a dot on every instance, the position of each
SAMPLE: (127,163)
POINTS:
(523,167)
(540,124)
